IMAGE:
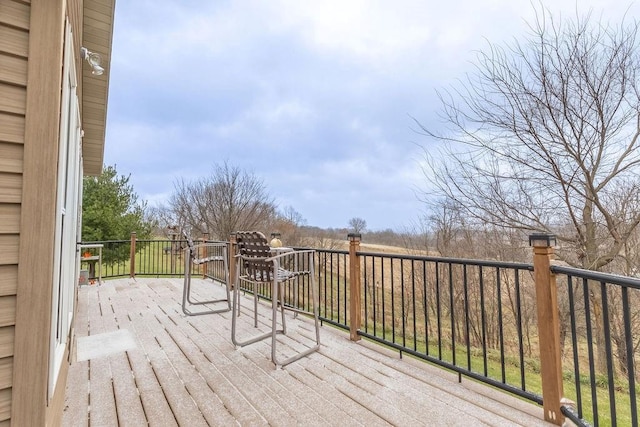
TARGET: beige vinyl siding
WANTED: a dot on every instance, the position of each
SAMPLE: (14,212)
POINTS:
(10,159)
(31,54)
(14,70)
(11,128)
(5,406)
(14,47)
(9,245)
(15,13)
(13,98)
(9,218)
(6,341)
(13,42)
(10,187)
(8,280)
(6,369)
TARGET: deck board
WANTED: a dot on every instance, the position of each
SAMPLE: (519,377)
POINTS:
(228,369)
(152,400)
(163,361)
(130,410)
(129,405)
(102,404)
(184,370)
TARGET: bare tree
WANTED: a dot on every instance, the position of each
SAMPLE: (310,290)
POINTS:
(544,136)
(164,218)
(357,225)
(325,239)
(288,223)
(229,200)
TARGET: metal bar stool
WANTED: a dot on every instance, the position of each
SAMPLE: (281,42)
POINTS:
(257,265)
(216,252)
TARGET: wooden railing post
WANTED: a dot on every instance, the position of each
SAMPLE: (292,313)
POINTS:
(231,257)
(355,292)
(548,326)
(132,256)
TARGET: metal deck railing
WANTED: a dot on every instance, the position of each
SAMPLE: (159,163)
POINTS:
(478,318)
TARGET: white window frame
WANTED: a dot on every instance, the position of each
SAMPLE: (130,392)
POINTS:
(69,188)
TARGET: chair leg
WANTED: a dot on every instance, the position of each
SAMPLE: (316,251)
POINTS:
(236,312)
(234,339)
(316,303)
(274,317)
(274,358)
(187,302)
(236,309)
(255,305)
(186,288)
(281,299)
(226,277)
(236,286)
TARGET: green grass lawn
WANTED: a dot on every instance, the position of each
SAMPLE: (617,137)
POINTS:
(532,377)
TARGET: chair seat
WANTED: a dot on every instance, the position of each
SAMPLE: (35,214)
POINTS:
(198,261)
(281,275)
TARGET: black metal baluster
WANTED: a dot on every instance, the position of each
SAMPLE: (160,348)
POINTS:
(607,344)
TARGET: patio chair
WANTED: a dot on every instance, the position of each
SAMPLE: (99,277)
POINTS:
(216,252)
(257,264)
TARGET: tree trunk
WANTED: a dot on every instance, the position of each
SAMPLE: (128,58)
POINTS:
(589,261)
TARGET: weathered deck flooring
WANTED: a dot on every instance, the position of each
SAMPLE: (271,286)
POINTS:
(185,371)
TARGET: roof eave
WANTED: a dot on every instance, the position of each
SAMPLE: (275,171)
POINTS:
(97,36)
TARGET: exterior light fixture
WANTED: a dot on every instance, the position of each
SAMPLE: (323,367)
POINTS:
(542,240)
(93,59)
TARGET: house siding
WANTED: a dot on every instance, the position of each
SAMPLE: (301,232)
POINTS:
(31,44)
(14,45)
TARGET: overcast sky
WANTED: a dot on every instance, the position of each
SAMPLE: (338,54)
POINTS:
(315,98)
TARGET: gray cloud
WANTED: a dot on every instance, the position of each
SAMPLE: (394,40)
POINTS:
(313,97)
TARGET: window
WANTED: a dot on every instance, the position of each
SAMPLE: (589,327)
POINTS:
(69,190)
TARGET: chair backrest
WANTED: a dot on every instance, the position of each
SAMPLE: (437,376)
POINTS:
(254,248)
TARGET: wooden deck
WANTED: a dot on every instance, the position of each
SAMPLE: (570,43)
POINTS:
(180,370)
